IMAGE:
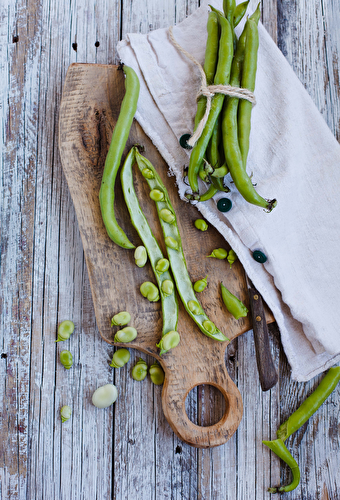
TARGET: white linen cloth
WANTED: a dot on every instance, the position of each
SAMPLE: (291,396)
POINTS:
(294,158)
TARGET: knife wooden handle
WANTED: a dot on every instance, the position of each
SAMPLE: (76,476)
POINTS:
(265,365)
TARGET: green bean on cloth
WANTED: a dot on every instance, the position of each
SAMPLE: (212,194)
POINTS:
(222,76)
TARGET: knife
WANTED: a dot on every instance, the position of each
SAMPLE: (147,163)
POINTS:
(265,365)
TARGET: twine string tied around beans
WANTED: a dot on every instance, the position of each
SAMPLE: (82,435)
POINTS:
(209,91)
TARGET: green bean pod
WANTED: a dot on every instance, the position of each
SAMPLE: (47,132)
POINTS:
(233,304)
(247,82)
(217,182)
(176,256)
(232,150)
(203,172)
(158,263)
(214,153)
(222,76)
(239,12)
(311,404)
(229,10)
(215,156)
(279,448)
(256,15)
(210,61)
(220,171)
(210,192)
(118,142)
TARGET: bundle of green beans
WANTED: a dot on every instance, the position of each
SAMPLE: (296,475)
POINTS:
(224,143)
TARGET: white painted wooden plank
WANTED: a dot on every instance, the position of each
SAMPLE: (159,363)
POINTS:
(137,409)
(18,65)
(309,38)
(269,17)
(143,17)
(331,18)
(61,451)
(45,246)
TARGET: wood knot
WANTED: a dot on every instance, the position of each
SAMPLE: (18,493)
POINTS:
(94,136)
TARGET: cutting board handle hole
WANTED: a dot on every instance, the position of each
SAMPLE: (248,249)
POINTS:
(205,405)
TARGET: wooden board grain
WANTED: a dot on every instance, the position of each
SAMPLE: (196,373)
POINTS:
(90,106)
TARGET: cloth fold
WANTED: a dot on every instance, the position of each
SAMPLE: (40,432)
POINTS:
(293,157)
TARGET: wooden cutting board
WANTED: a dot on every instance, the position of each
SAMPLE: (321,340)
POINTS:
(89,109)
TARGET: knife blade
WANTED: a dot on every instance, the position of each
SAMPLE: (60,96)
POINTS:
(265,365)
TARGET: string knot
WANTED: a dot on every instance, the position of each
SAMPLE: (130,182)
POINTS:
(209,91)
(205,91)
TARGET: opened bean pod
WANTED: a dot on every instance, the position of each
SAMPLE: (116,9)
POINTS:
(159,264)
(176,256)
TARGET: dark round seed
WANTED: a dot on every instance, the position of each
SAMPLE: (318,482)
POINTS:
(224,205)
